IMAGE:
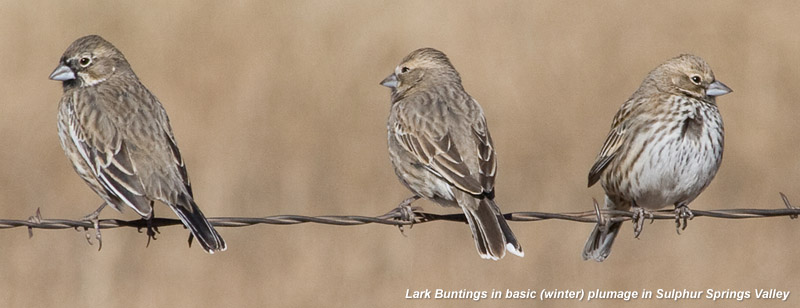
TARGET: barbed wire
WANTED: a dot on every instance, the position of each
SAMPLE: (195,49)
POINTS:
(395,218)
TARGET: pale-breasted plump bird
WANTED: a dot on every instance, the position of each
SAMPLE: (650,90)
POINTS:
(441,148)
(117,136)
(664,148)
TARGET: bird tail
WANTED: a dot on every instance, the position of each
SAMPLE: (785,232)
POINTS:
(201,229)
(490,230)
(598,246)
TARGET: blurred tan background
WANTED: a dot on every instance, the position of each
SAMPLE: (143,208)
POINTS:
(277,109)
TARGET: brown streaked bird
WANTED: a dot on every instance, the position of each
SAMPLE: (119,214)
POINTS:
(441,149)
(664,148)
(118,138)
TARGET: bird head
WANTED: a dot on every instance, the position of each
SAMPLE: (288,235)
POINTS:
(88,61)
(419,67)
(689,75)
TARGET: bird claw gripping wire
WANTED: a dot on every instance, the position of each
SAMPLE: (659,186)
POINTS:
(404,212)
(682,212)
(639,214)
(152,231)
(93,219)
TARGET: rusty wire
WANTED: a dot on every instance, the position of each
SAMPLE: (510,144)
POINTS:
(394,218)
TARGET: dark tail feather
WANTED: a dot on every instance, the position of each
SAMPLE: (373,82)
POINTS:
(511,241)
(201,229)
(598,246)
(489,229)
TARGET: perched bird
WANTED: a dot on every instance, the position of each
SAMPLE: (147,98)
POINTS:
(441,149)
(665,146)
(118,138)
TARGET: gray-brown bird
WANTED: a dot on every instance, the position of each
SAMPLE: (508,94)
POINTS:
(118,138)
(441,149)
(664,148)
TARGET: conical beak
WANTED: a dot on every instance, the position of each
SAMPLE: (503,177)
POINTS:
(390,81)
(62,73)
(717,88)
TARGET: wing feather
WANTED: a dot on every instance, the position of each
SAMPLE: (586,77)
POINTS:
(616,137)
(110,164)
(439,155)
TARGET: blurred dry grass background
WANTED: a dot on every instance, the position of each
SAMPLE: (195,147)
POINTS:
(277,109)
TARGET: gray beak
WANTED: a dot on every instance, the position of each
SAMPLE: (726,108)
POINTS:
(390,81)
(62,73)
(717,88)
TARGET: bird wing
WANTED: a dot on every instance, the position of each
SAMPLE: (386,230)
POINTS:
(486,155)
(101,148)
(436,152)
(612,144)
(177,159)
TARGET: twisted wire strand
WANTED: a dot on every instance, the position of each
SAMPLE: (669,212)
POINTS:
(395,218)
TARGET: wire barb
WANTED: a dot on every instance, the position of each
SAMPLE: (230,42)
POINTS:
(601,220)
(35,219)
(788,205)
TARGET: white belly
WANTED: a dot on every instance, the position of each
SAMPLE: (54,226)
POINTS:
(675,170)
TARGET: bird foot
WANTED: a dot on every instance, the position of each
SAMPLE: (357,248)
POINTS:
(95,221)
(682,212)
(406,213)
(639,214)
(151,231)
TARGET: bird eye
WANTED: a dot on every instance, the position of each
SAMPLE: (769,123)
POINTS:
(85,61)
(404,69)
(696,79)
